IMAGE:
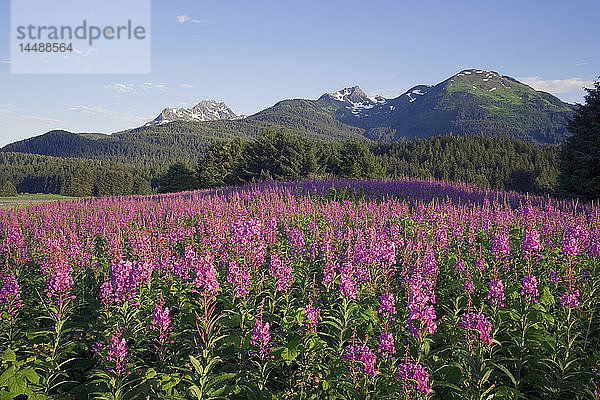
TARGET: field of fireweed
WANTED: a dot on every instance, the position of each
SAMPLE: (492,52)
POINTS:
(303,290)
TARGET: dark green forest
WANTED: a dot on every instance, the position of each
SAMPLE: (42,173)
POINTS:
(498,163)
(32,173)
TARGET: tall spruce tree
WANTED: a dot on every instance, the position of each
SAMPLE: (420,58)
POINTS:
(580,157)
(8,189)
(178,178)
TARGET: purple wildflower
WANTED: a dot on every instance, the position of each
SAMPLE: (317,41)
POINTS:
(386,346)
(570,298)
(311,316)
(421,298)
(570,245)
(480,263)
(348,281)
(125,279)
(59,284)
(387,306)
(117,352)
(469,286)
(553,277)
(10,297)
(478,322)
(206,276)
(529,290)
(161,320)
(531,242)
(496,293)
(414,372)
(363,354)
(261,336)
(501,245)
(281,270)
(240,277)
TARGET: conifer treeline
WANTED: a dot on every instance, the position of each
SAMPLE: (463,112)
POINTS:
(32,173)
(498,163)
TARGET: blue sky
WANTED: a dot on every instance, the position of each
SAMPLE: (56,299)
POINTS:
(251,54)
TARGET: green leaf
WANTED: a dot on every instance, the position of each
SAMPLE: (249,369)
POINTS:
(546,298)
(507,372)
(17,384)
(31,375)
(6,375)
(196,365)
(9,356)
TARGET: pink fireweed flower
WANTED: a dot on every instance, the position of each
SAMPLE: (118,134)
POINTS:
(529,290)
(468,286)
(281,270)
(348,281)
(59,284)
(570,298)
(480,264)
(421,298)
(531,242)
(124,282)
(297,242)
(477,322)
(117,352)
(328,273)
(261,336)
(501,245)
(386,346)
(10,296)
(387,306)
(496,293)
(363,355)
(240,278)
(161,320)
(311,316)
(417,373)
(570,246)
(206,276)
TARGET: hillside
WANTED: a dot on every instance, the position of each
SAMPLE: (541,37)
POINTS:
(471,102)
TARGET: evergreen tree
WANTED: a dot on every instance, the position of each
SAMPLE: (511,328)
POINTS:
(8,189)
(580,157)
(357,161)
(219,162)
(178,178)
(277,154)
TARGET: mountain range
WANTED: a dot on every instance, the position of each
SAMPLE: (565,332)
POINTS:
(471,102)
(207,110)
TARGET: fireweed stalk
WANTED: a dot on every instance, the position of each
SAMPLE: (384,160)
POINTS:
(178,237)
(58,306)
(10,304)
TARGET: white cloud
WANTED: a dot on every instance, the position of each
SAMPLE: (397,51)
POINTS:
(13,112)
(581,64)
(184,18)
(158,86)
(43,119)
(121,87)
(101,110)
(5,61)
(187,86)
(556,85)
(9,108)
(90,109)
(182,104)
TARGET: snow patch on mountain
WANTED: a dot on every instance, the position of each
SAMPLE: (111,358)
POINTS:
(208,110)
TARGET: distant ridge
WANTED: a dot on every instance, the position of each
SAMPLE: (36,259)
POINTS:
(473,101)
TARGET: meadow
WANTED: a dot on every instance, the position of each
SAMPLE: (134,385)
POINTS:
(331,289)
